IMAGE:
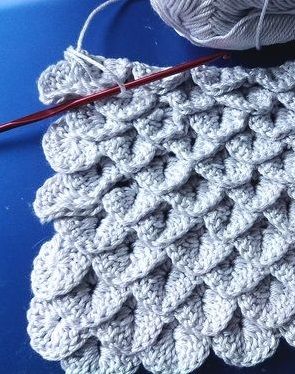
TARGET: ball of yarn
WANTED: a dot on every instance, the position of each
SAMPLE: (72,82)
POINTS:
(230,24)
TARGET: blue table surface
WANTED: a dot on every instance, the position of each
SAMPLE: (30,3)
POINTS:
(33,34)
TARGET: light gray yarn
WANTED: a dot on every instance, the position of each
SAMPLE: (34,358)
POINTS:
(230,24)
(174,214)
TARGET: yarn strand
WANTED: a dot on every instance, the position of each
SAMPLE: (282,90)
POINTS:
(89,20)
(80,56)
(260,25)
(78,53)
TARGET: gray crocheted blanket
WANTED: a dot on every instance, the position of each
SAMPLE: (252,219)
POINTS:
(174,213)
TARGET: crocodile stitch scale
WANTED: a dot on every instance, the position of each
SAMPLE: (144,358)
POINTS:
(174,213)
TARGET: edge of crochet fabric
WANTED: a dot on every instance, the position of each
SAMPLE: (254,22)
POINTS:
(174,213)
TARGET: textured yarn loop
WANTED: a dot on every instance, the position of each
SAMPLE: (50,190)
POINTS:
(230,24)
(79,56)
(174,216)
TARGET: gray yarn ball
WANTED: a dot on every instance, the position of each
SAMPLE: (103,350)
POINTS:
(230,24)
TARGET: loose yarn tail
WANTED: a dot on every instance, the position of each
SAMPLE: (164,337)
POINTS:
(90,18)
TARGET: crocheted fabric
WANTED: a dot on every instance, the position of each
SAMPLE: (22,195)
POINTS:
(174,213)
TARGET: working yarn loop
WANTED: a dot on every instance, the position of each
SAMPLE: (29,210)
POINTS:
(174,211)
(230,24)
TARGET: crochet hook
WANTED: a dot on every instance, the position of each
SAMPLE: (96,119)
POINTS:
(74,103)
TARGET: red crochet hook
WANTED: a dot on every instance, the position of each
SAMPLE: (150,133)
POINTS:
(74,103)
